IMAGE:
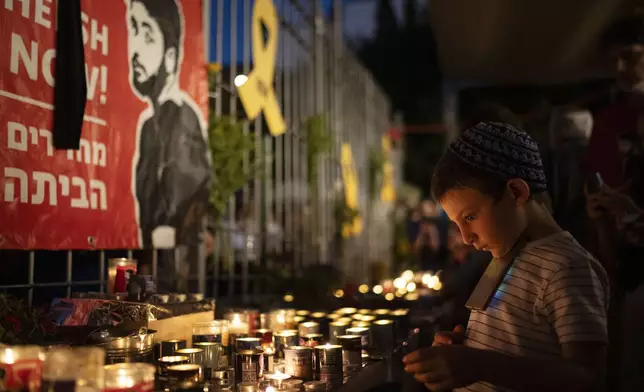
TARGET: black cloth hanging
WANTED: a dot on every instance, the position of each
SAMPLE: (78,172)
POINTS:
(70,91)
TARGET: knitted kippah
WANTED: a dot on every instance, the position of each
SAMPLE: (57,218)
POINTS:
(503,150)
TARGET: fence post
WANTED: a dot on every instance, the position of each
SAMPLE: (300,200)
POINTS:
(318,206)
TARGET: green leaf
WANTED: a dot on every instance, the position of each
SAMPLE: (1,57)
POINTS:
(229,147)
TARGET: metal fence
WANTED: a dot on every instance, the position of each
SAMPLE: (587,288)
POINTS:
(269,221)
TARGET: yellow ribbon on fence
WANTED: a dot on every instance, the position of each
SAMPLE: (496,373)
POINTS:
(257,93)
(388,189)
(350,179)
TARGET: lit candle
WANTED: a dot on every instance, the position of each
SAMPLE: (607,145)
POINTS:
(8,357)
(21,366)
(281,319)
(124,380)
(125,377)
(276,379)
(237,326)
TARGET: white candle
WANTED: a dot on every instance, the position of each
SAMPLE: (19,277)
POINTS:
(238,327)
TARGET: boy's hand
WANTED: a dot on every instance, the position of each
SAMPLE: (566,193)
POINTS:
(457,336)
(444,367)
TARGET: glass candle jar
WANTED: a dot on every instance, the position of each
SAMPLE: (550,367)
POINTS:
(118,275)
(90,368)
(22,367)
(195,355)
(240,321)
(125,377)
(210,331)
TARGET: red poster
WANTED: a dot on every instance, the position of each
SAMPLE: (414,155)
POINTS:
(141,175)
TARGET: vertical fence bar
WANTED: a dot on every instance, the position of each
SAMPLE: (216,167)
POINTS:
(291,243)
(258,205)
(258,199)
(68,281)
(297,205)
(31,272)
(101,271)
(317,208)
(202,256)
(279,140)
(219,54)
(235,230)
(247,31)
(330,160)
(299,186)
(307,110)
(219,34)
(155,264)
(246,198)
(368,216)
(268,250)
(338,126)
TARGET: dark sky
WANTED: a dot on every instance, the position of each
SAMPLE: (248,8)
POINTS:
(359,18)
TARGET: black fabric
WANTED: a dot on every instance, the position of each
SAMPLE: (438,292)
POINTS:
(70,92)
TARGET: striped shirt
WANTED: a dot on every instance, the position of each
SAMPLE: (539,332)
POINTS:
(555,292)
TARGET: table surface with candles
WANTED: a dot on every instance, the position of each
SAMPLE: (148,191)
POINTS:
(275,324)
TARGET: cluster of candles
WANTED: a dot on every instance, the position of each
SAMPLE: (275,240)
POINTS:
(35,368)
(286,350)
(408,285)
(282,351)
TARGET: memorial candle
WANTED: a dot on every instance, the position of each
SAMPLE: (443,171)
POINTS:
(22,367)
(276,379)
(237,326)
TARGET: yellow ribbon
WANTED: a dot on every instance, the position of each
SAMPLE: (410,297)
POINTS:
(350,179)
(388,189)
(257,93)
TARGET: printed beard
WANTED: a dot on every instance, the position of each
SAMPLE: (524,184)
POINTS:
(153,85)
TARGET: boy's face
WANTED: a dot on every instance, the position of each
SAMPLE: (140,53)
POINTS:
(487,224)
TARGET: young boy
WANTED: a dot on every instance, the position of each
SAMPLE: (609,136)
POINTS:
(545,326)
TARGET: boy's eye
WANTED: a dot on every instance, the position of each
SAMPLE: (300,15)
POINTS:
(469,218)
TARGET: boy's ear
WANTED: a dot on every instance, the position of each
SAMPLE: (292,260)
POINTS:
(519,190)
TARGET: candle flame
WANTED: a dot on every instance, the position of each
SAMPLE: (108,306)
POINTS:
(123,380)
(236,319)
(8,357)
(270,389)
(278,375)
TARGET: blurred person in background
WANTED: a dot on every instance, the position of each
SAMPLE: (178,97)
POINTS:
(614,151)
(428,243)
(413,224)
(627,318)
(573,127)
